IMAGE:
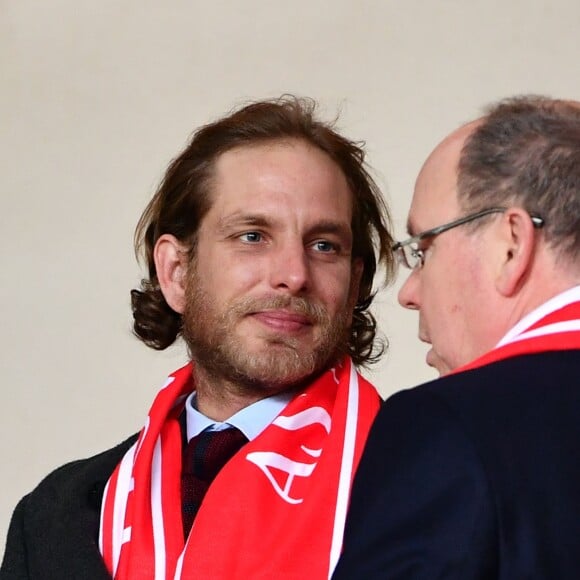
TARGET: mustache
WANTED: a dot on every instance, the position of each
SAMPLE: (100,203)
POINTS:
(315,313)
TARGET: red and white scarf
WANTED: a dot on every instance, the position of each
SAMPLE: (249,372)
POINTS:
(276,510)
(553,326)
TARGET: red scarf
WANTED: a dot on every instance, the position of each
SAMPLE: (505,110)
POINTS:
(276,510)
(553,326)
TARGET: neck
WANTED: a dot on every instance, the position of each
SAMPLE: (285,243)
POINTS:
(548,276)
(219,398)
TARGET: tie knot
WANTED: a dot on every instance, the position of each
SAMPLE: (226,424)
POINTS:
(209,451)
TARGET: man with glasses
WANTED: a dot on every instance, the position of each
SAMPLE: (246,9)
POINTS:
(476,475)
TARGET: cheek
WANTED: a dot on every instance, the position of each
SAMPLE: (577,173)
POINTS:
(230,277)
(449,291)
(335,289)
(441,310)
(451,315)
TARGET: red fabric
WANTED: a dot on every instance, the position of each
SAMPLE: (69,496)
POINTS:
(550,341)
(275,510)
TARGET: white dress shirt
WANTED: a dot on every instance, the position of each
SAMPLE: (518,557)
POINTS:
(250,420)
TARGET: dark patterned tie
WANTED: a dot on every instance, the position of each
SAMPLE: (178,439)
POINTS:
(203,457)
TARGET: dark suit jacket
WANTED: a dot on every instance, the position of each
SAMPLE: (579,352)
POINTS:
(54,530)
(473,476)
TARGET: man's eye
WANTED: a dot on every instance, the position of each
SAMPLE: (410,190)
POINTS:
(251,237)
(418,255)
(324,246)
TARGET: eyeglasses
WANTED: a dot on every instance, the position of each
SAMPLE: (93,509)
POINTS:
(409,254)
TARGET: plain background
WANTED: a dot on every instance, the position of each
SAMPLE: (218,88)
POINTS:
(97,97)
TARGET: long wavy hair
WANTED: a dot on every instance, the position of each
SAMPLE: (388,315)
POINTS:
(183,199)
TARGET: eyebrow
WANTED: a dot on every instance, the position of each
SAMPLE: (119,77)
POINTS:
(242,219)
(237,219)
(342,230)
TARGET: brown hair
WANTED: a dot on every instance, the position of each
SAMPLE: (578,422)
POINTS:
(526,151)
(183,199)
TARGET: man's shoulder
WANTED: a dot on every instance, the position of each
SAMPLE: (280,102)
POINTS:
(556,370)
(514,391)
(54,529)
(82,473)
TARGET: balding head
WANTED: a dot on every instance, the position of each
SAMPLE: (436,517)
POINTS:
(438,176)
(526,152)
(478,209)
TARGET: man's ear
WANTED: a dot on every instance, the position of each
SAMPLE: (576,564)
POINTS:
(517,243)
(171,262)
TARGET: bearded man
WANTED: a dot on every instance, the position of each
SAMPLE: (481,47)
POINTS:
(261,243)
(476,475)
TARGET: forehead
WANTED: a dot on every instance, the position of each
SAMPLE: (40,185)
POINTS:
(279,172)
(276,155)
(435,196)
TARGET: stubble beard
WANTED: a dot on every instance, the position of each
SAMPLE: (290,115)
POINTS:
(281,363)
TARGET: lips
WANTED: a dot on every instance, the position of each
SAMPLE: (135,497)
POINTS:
(282,320)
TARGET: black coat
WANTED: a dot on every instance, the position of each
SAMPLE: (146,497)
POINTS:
(475,476)
(54,530)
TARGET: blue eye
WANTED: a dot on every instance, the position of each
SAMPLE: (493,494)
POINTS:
(251,237)
(324,246)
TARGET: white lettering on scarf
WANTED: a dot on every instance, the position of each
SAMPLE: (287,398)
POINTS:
(266,460)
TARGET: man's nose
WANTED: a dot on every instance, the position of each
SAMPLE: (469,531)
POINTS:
(409,293)
(290,269)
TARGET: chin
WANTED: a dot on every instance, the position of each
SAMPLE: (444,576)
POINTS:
(280,366)
(434,361)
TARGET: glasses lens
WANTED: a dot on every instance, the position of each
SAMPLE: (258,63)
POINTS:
(413,256)
(408,256)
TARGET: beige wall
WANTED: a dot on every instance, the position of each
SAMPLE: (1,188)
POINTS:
(96,97)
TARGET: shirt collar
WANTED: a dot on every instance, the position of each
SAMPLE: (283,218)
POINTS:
(553,304)
(250,420)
